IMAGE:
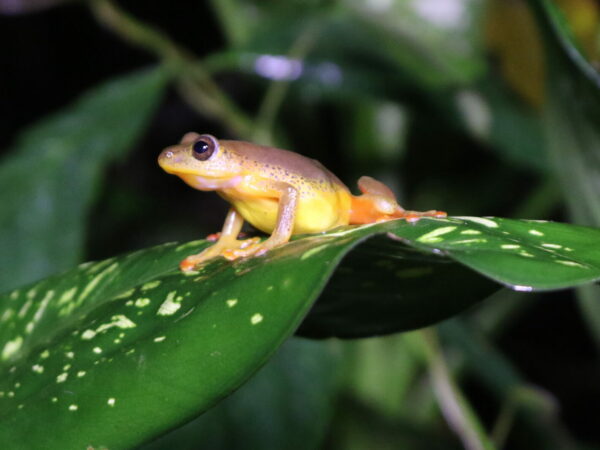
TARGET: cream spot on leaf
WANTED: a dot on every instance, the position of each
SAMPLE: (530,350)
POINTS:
(256,319)
(232,302)
(169,306)
(434,236)
(62,377)
(12,347)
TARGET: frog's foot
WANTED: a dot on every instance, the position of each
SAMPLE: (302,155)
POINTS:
(255,249)
(221,248)
(415,216)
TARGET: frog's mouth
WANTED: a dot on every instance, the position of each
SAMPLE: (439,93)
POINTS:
(209,184)
(169,162)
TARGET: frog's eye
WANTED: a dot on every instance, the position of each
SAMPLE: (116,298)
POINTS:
(204,147)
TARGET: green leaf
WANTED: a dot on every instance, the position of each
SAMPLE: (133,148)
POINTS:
(49,178)
(526,255)
(124,349)
(438,45)
(303,373)
(572,128)
(360,299)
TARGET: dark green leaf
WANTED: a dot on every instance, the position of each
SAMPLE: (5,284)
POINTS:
(48,180)
(125,349)
(526,255)
(259,415)
(360,301)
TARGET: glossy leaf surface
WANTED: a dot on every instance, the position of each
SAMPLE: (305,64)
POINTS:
(127,348)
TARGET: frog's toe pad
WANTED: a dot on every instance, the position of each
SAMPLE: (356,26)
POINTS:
(189,263)
(249,242)
(251,249)
(415,216)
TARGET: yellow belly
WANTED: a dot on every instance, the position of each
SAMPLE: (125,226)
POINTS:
(314,214)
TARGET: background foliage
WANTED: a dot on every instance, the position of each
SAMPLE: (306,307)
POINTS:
(471,106)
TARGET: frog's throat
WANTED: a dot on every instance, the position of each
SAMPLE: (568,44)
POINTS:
(210,184)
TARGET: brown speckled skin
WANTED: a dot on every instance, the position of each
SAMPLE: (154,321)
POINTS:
(282,165)
(253,178)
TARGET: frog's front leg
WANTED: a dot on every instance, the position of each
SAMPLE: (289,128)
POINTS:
(286,215)
(227,242)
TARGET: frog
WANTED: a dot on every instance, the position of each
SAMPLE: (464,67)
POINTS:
(279,192)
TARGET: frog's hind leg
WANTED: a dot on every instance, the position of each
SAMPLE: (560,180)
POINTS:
(378,204)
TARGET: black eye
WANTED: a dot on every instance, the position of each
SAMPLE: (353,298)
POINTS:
(204,147)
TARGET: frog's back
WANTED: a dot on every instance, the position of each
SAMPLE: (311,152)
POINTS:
(323,200)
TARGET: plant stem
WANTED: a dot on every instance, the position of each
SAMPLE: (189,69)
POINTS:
(455,407)
(277,90)
(198,88)
(233,24)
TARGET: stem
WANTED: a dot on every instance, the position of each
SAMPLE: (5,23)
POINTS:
(234,22)
(277,90)
(454,406)
(200,90)
(504,422)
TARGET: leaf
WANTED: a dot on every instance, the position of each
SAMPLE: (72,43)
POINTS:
(303,373)
(49,178)
(359,300)
(125,349)
(572,129)
(437,42)
(526,255)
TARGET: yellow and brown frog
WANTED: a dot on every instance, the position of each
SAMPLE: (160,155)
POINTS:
(277,191)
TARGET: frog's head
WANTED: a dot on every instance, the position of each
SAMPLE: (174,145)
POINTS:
(201,162)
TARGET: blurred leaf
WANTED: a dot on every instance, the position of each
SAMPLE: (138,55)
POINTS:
(572,128)
(512,35)
(381,372)
(358,427)
(583,17)
(49,179)
(512,129)
(365,48)
(262,413)
(437,41)
(109,347)
(534,408)
(572,119)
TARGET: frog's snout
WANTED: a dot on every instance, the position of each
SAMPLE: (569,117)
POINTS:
(168,159)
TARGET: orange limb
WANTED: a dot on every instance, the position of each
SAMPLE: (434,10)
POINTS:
(378,204)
